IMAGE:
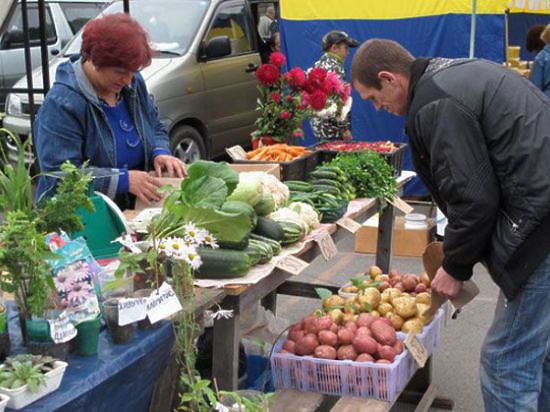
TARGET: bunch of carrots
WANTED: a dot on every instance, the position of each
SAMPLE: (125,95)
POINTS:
(277,153)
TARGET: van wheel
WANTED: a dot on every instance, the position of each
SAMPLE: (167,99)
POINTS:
(186,144)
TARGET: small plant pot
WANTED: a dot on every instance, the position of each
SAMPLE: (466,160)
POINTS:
(4,399)
(87,337)
(37,330)
(145,324)
(55,350)
(120,334)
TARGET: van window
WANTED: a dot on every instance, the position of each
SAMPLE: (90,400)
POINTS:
(231,21)
(77,14)
(12,38)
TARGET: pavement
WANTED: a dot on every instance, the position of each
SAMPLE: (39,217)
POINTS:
(455,360)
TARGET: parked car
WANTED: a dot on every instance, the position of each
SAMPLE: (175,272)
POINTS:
(202,77)
(64,18)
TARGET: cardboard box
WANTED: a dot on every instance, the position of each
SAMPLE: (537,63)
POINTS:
(406,242)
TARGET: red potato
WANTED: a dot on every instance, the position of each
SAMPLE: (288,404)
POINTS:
(394,280)
(364,357)
(289,346)
(383,332)
(285,351)
(399,286)
(326,337)
(421,287)
(296,334)
(409,282)
(383,286)
(398,347)
(393,273)
(351,325)
(308,320)
(334,328)
(306,345)
(363,331)
(387,321)
(345,336)
(364,319)
(325,352)
(323,323)
(386,352)
(365,344)
(346,352)
(383,361)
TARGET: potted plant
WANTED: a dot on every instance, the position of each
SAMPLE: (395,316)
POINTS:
(26,378)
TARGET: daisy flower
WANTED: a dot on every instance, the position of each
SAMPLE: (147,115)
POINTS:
(193,234)
(79,292)
(192,258)
(63,283)
(209,240)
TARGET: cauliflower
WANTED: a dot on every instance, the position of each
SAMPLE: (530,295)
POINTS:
(306,212)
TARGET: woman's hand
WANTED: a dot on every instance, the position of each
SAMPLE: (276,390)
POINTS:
(173,166)
(144,186)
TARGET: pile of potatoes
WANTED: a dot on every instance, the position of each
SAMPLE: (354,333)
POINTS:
(402,299)
(365,339)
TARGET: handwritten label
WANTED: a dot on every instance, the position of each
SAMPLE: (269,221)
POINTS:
(400,204)
(162,303)
(236,152)
(126,241)
(61,329)
(417,349)
(131,310)
(349,224)
(291,264)
(327,245)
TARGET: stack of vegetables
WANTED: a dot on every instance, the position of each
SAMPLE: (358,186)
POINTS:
(277,153)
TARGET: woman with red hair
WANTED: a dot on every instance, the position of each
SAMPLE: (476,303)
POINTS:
(99,111)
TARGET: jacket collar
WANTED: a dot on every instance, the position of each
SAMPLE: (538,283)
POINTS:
(418,68)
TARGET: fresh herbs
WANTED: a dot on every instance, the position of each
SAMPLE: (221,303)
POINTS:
(25,370)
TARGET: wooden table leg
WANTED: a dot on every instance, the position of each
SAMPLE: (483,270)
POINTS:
(225,362)
(385,234)
(269,302)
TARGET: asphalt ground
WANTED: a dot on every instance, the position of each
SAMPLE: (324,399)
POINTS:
(455,360)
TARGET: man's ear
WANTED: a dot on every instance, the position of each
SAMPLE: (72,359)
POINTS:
(386,77)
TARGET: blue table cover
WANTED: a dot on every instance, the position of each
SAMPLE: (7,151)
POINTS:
(119,378)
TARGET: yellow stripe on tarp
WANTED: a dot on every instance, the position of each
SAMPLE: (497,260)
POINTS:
(400,9)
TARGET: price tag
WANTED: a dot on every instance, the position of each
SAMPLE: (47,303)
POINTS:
(61,329)
(131,310)
(417,349)
(291,264)
(400,204)
(162,303)
(327,245)
(349,224)
(236,152)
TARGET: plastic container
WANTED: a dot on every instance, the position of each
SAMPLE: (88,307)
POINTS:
(21,397)
(297,169)
(4,399)
(145,324)
(342,378)
(120,334)
(430,335)
(87,337)
(416,221)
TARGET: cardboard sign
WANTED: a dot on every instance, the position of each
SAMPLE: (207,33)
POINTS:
(400,204)
(291,264)
(349,224)
(162,303)
(417,349)
(61,329)
(327,245)
(236,152)
(131,310)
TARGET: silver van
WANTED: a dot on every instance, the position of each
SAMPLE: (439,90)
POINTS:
(202,78)
(64,18)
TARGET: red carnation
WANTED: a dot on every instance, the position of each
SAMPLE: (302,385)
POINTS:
(268,74)
(305,101)
(296,78)
(289,99)
(327,86)
(318,100)
(346,91)
(284,115)
(276,97)
(316,77)
(277,58)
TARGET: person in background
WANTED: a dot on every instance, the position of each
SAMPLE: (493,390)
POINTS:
(533,42)
(540,72)
(275,42)
(99,111)
(335,45)
(264,25)
(480,139)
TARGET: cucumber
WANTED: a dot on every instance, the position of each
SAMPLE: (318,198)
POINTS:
(254,255)
(324,174)
(333,169)
(222,263)
(298,186)
(237,206)
(293,232)
(269,228)
(327,189)
(266,253)
(275,246)
(328,182)
(228,244)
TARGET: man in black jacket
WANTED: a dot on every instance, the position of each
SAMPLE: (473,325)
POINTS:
(480,138)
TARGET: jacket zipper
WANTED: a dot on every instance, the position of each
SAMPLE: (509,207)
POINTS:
(515,226)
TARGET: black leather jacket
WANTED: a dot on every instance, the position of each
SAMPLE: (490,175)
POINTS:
(480,137)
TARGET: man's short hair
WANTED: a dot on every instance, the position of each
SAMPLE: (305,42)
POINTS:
(376,55)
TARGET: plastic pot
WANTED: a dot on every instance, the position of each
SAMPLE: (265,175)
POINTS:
(87,337)
(145,324)
(120,334)
(56,350)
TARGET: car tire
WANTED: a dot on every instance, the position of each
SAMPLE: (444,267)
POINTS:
(186,143)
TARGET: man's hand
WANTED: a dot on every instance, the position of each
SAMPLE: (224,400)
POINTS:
(444,284)
(173,166)
(144,186)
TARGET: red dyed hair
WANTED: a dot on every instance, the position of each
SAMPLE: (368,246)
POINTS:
(116,40)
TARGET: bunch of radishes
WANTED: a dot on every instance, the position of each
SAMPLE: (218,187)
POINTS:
(367,339)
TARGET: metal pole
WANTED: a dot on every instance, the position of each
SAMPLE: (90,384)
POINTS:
(28,62)
(506,34)
(44,46)
(126,6)
(473,29)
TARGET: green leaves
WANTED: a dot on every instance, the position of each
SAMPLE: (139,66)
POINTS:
(221,170)
(323,293)
(205,191)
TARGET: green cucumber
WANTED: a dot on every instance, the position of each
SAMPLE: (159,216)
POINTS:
(298,186)
(275,246)
(293,232)
(327,189)
(222,263)
(264,248)
(269,228)
(328,182)
(324,174)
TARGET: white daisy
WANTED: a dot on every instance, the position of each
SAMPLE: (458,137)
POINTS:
(209,240)
(192,258)
(193,234)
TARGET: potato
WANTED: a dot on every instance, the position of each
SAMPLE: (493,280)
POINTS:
(389,294)
(387,321)
(296,334)
(383,361)
(364,357)
(349,317)
(364,319)
(386,352)
(283,351)
(333,300)
(398,347)
(409,280)
(289,346)
(421,309)
(351,306)
(412,325)
(404,307)
(393,273)
(384,308)
(364,344)
(395,280)
(425,279)
(346,352)
(424,298)
(351,325)
(363,331)
(384,285)
(324,352)
(308,320)
(345,336)
(326,337)
(336,315)
(382,278)
(420,288)
(350,289)
(306,345)
(399,286)
(334,328)
(375,271)
(375,314)
(372,296)
(382,332)
(323,323)
(396,320)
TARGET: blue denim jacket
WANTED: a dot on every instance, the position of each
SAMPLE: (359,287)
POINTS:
(71,125)
(540,72)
